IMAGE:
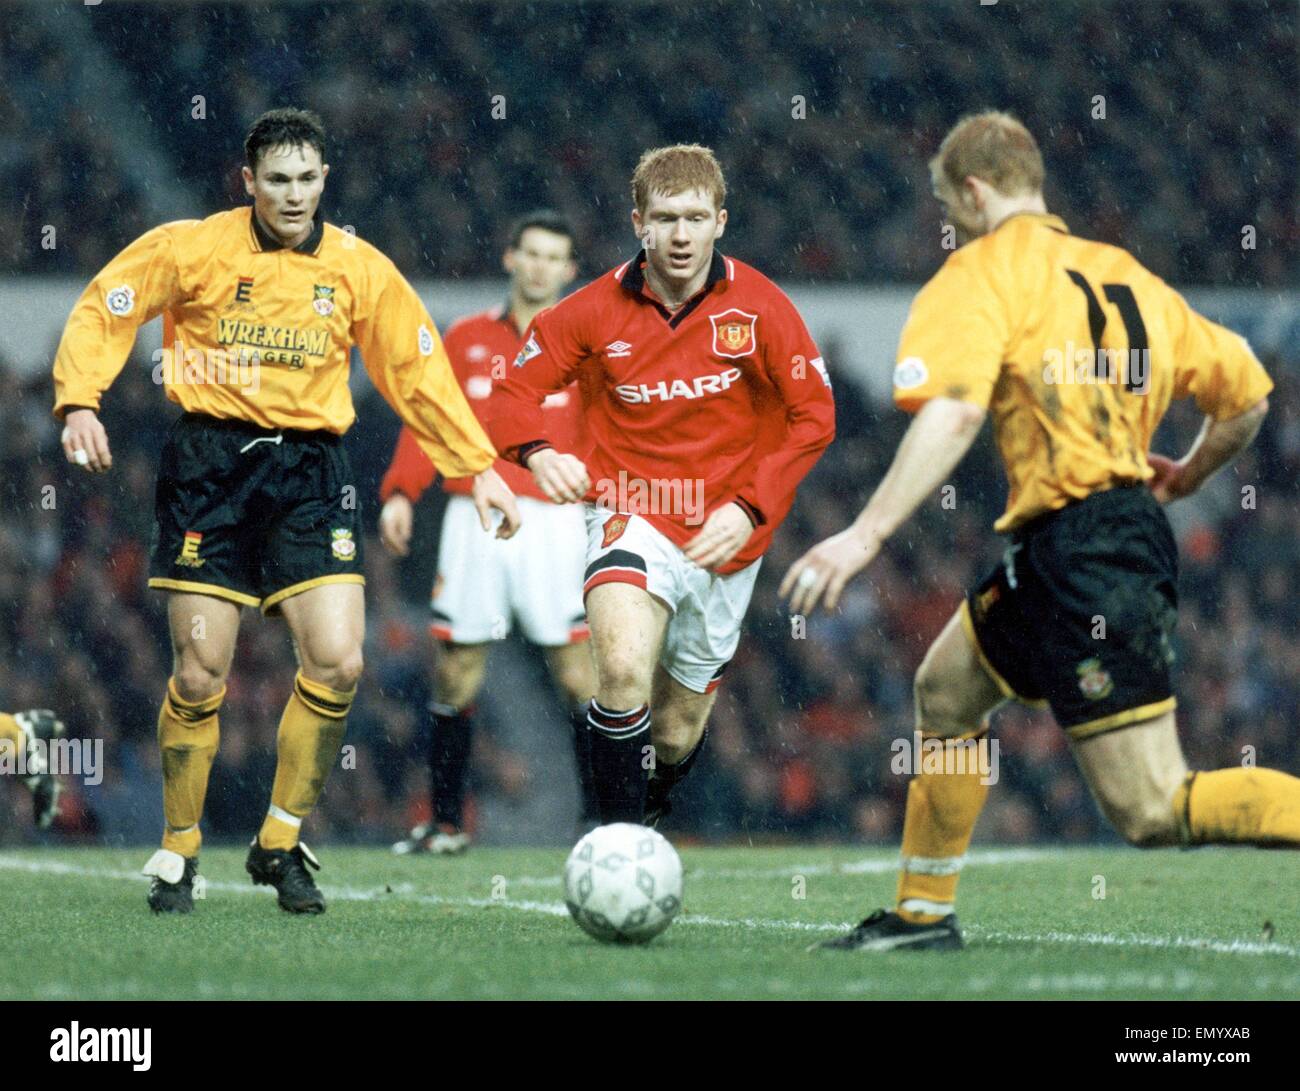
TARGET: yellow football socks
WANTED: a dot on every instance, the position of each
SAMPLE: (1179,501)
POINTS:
(188,736)
(311,731)
(1225,806)
(942,808)
(11,732)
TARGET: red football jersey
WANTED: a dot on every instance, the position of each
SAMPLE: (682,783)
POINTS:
(725,400)
(476,345)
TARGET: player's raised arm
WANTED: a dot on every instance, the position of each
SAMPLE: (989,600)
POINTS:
(132,289)
(552,351)
(1217,368)
(949,358)
(407,363)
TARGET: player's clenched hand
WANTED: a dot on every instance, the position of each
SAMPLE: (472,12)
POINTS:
(1168,484)
(563,478)
(723,535)
(85,442)
(822,572)
(491,492)
(395,522)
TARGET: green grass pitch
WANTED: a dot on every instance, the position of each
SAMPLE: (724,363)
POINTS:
(1208,923)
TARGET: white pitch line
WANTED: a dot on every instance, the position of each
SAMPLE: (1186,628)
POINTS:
(857,867)
(405,892)
(1101,939)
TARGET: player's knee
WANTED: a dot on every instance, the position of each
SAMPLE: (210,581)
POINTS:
(1147,825)
(458,676)
(937,710)
(340,671)
(674,739)
(623,680)
(194,682)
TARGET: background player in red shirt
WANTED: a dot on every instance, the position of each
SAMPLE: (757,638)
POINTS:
(706,402)
(536,577)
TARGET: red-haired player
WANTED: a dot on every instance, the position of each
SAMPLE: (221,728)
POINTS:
(706,402)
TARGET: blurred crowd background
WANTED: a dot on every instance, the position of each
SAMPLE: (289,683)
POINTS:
(1198,140)
(1168,126)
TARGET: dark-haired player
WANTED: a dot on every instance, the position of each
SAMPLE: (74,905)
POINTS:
(1076,350)
(535,578)
(256,505)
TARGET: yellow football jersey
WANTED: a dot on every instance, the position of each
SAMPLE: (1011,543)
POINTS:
(257,332)
(1075,349)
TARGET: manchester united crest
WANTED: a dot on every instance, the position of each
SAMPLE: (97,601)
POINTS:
(614,527)
(733,333)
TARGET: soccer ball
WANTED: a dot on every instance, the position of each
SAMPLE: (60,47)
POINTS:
(623,883)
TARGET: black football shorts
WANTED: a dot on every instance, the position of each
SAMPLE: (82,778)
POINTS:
(253,515)
(1080,613)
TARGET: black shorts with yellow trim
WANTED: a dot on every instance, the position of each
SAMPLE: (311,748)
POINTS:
(253,515)
(1080,613)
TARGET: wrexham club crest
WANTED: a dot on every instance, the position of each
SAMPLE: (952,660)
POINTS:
(733,333)
(324,301)
(342,545)
(1094,680)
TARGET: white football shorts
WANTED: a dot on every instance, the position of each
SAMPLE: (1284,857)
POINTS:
(484,584)
(708,609)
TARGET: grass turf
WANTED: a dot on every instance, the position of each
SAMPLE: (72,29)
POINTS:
(1213,923)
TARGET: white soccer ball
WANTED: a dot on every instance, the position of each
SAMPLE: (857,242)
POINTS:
(623,883)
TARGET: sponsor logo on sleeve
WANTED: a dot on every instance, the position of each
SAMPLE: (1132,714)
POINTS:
(120,301)
(531,348)
(910,373)
(820,364)
(426,341)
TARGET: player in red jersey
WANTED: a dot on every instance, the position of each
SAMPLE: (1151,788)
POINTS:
(706,403)
(534,577)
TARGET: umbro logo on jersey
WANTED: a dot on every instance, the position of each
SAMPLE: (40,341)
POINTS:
(616,349)
(665,391)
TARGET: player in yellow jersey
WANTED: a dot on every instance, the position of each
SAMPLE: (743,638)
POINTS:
(1076,351)
(256,504)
